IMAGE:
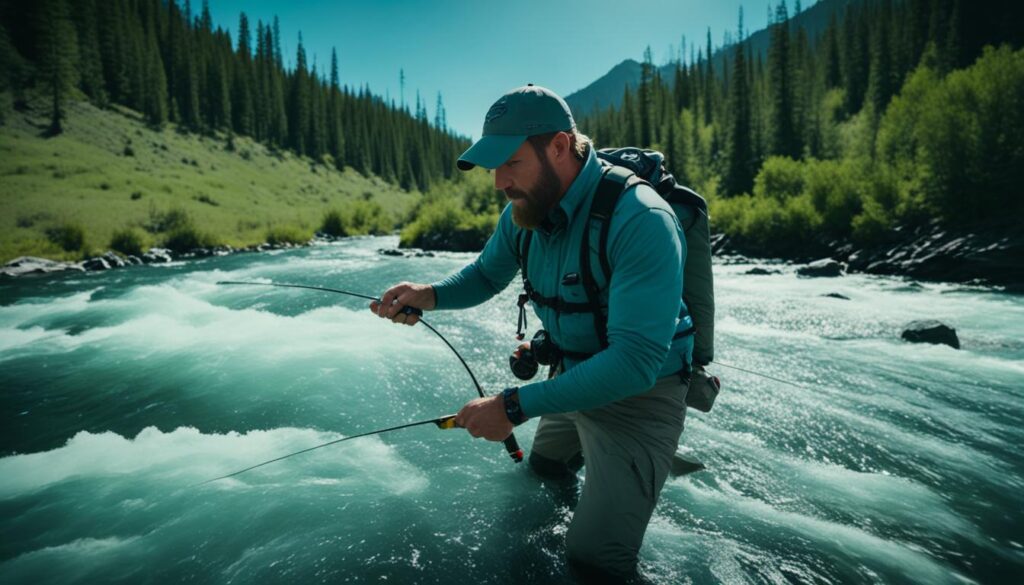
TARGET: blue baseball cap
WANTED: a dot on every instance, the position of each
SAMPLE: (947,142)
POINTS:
(521,113)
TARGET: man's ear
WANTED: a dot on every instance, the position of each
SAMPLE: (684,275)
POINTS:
(559,146)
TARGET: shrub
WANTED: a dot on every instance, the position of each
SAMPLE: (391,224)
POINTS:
(69,236)
(780,177)
(873,224)
(333,224)
(165,221)
(444,224)
(207,200)
(186,238)
(287,235)
(127,241)
(136,195)
(357,217)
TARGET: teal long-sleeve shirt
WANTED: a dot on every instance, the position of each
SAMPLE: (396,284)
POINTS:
(646,250)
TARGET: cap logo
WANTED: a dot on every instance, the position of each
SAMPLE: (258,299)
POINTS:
(498,110)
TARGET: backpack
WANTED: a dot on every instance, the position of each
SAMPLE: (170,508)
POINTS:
(623,169)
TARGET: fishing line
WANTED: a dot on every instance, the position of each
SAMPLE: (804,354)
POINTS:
(798,385)
(511,445)
(444,422)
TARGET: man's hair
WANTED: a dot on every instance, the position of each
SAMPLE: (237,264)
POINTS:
(579,143)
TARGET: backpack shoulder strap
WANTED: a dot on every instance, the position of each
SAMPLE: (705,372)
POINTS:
(523,239)
(614,182)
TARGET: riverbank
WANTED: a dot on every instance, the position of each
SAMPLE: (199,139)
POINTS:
(988,255)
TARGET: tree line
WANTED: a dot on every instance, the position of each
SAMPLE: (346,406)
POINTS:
(828,106)
(156,57)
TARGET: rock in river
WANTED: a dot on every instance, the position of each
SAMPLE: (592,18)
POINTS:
(823,267)
(931,331)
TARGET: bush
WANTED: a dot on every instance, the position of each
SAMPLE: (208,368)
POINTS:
(69,236)
(357,217)
(127,241)
(873,225)
(333,224)
(187,238)
(955,141)
(780,177)
(287,235)
(444,224)
(172,219)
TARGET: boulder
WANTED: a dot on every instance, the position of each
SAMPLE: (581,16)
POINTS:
(931,331)
(757,270)
(33,265)
(835,295)
(826,267)
(96,264)
(157,256)
(114,260)
(390,252)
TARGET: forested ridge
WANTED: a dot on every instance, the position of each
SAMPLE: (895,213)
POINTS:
(161,59)
(898,112)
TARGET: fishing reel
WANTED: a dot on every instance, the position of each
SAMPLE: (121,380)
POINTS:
(542,350)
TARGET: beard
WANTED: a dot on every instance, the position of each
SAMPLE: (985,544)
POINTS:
(539,200)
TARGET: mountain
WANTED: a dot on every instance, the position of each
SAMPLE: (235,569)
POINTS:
(608,89)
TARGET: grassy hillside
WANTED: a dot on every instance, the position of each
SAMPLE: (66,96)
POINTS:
(109,172)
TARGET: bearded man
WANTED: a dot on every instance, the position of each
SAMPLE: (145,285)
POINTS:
(616,402)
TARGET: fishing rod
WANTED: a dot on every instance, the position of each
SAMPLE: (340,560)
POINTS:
(444,422)
(511,445)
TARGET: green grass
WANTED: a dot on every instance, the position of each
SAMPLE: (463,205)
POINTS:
(85,177)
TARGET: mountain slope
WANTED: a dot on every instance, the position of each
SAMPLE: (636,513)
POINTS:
(608,89)
(109,171)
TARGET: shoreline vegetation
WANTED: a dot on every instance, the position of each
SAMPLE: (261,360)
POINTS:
(891,139)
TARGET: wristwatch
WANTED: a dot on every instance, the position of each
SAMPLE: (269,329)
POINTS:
(512,409)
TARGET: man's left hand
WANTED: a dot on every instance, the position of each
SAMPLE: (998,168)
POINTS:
(485,417)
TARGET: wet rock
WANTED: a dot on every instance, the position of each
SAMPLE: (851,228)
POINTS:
(835,295)
(114,260)
(424,254)
(157,256)
(133,260)
(33,265)
(96,264)
(931,331)
(390,252)
(761,271)
(826,267)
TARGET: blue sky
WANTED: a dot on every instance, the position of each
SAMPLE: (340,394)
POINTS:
(472,52)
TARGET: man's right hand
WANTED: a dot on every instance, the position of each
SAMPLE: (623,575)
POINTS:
(404,294)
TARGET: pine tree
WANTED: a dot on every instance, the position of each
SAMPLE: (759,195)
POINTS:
(299,104)
(90,65)
(241,87)
(739,174)
(58,57)
(784,137)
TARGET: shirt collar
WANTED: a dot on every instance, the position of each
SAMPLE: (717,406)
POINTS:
(579,191)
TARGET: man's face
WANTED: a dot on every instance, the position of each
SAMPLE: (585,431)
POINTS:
(529,181)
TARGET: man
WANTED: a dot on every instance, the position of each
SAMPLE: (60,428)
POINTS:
(621,410)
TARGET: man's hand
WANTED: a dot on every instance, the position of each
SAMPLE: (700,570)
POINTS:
(485,417)
(405,294)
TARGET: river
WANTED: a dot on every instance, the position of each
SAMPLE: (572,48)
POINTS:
(876,461)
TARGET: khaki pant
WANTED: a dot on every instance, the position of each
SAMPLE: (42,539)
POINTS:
(627,448)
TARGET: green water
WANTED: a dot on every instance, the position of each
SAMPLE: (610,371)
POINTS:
(891,462)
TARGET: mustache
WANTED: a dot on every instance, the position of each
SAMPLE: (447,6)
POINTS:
(514,194)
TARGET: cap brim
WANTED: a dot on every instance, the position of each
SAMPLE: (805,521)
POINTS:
(490,152)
